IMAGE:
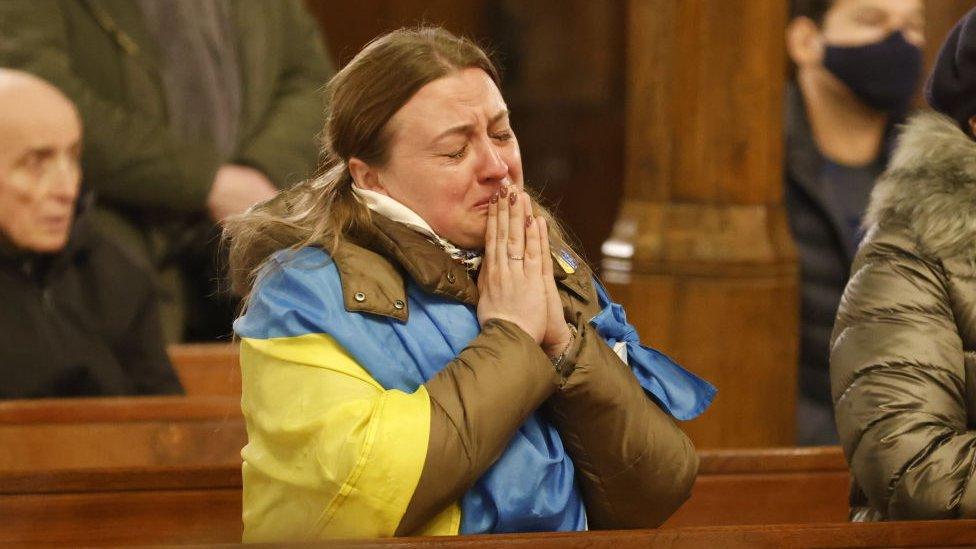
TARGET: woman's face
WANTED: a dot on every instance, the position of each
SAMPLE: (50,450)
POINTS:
(451,148)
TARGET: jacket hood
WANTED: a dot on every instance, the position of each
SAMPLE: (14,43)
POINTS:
(930,186)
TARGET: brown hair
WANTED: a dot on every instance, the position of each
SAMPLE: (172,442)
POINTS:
(815,10)
(362,98)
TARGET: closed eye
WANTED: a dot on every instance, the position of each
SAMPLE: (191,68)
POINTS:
(458,154)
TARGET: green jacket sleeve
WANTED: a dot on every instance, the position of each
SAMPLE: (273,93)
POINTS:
(897,377)
(285,144)
(129,158)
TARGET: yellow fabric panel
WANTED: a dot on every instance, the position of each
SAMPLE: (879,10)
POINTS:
(330,453)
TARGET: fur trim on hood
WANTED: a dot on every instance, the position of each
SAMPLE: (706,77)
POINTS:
(930,186)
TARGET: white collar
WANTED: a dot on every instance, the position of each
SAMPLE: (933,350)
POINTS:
(396,211)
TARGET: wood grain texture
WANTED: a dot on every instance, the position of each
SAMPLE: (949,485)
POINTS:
(121,479)
(904,534)
(117,409)
(348,26)
(207,368)
(44,435)
(154,517)
(700,254)
(742,486)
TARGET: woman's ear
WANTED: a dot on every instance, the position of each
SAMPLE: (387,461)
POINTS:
(972,126)
(803,42)
(365,176)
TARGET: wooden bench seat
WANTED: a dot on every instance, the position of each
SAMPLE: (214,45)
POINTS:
(202,505)
(767,486)
(105,433)
(890,534)
(148,505)
(735,487)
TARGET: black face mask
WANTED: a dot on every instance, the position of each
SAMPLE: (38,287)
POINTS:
(884,75)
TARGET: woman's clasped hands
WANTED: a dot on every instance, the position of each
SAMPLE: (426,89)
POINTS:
(516,282)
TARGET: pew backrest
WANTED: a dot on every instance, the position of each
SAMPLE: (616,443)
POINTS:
(207,368)
(767,486)
(51,435)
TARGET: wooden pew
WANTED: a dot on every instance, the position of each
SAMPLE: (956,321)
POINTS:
(207,368)
(200,502)
(891,534)
(51,435)
(202,505)
(819,476)
(767,486)
(140,505)
(903,534)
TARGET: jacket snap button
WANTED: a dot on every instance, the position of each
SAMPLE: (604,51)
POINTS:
(360,297)
(398,304)
(450,277)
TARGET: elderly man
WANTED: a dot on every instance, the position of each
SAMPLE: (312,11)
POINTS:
(78,317)
(194,110)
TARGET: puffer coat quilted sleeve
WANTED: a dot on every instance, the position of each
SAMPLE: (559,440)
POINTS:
(898,381)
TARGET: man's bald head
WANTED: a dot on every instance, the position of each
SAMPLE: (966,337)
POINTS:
(40,142)
(27,101)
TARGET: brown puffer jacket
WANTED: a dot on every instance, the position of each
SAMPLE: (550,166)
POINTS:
(903,349)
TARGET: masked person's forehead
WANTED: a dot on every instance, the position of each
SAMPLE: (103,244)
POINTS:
(875,12)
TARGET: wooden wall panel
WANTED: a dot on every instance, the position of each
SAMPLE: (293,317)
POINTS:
(940,17)
(564,84)
(700,253)
(348,26)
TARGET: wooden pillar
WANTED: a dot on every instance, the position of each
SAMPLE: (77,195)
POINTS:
(701,254)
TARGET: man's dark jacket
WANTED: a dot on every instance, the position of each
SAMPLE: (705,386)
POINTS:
(822,235)
(82,322)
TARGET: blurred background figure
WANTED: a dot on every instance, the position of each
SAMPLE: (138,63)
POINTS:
(194,110)
(78,316)
(857,65)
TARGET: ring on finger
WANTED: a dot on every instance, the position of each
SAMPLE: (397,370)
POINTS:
(516,257)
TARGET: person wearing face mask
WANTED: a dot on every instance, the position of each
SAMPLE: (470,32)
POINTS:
(903,358)
(421,351)
(857,66)
(78,317)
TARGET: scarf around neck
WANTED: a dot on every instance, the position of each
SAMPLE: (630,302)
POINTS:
(396,211)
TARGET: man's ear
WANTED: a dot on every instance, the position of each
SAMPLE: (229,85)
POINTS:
(365,176)
(972,126)
(803,41)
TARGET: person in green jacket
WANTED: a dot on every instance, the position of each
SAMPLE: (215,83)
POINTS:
(193,111)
